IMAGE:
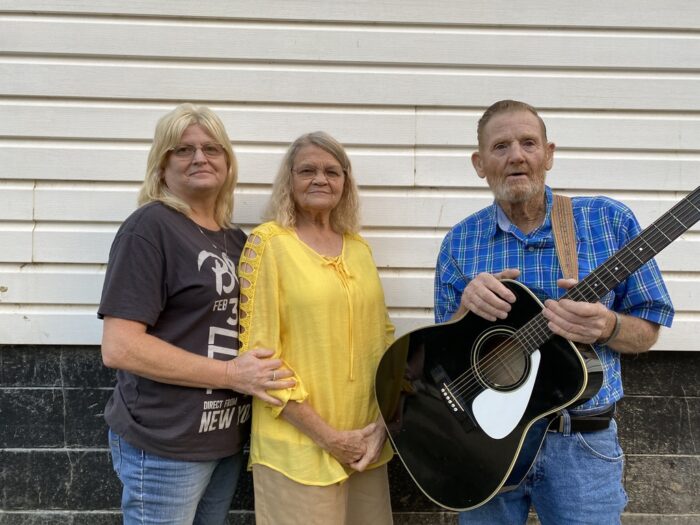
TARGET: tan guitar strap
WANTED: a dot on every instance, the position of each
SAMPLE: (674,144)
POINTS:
(565,235)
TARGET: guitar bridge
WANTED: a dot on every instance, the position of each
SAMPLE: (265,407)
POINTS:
(451,399)
(454,402)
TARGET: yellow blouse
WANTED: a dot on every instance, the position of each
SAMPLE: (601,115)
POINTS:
(325,317)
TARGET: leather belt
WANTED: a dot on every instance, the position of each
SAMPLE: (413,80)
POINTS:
(589,423)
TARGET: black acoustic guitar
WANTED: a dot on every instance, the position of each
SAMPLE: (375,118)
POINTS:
(467,403)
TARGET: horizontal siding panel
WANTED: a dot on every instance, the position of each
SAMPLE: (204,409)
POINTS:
(64,203)
(127,163)
(536,48)
(649,210)
(453,168)
(435,210)
(684,294)
(410,250)
(594,171)
(57,202)
(670,173)
(66,243)
(681,256)
(17,200)
(376,167)
(386,127)
(583,131)
(70,243)
(50,284)
(413,291)
(268,124)
(351,85)
(40,325)
(677,14)
(682,336)
(87,203)
(56,243)
(71,162)
(407,322)
(15,242)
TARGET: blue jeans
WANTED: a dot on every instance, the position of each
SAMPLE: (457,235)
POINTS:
(164,490)
(576,479)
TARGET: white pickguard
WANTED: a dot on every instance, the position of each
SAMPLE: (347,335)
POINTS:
(497,413)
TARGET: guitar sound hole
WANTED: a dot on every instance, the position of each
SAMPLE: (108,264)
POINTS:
(500,361)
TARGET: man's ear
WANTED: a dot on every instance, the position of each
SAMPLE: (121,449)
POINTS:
(476,162)
(549,153)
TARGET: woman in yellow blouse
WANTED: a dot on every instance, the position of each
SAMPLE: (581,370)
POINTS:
(310,291)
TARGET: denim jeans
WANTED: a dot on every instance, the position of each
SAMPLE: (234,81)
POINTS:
(575,480)
(164,490)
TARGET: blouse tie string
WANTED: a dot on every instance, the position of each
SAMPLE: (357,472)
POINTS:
(341,270)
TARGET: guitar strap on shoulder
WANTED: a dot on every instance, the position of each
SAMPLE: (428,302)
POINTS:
(565,235)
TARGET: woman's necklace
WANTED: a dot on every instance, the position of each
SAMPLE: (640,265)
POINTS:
(211,241)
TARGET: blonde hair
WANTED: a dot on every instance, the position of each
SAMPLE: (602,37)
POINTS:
(169,131)
(345,217)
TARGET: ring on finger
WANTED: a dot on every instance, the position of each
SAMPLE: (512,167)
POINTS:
(274,376)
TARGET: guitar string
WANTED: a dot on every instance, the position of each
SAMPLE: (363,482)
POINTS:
(538,324)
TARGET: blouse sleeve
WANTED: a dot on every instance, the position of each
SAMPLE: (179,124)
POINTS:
(260,308)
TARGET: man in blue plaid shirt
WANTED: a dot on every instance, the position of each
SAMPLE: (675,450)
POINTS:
(577,476)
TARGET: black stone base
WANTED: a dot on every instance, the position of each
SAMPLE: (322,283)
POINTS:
(55,466)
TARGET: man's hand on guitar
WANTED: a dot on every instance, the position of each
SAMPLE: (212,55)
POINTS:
(487,297)
(580,322)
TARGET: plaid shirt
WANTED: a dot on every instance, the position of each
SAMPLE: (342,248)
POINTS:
(487,242)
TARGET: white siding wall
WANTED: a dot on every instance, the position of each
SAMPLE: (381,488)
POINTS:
(400,83)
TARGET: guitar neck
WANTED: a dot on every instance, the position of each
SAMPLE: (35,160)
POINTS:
(622,264)
(639,250)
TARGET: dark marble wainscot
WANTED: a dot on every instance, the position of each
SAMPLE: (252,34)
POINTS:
(55,466)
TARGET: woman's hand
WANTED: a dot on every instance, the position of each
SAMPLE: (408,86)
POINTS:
(356,448)
(254,373)
(347,446)
(375,436)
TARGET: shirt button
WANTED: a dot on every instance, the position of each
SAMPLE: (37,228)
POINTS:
(530,248)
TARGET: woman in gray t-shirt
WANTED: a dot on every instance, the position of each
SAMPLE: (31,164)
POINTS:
(180,411)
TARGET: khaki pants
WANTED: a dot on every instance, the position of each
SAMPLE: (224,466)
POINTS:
(363,499)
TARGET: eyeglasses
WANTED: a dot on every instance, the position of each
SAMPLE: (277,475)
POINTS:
(309,172)
(187,151)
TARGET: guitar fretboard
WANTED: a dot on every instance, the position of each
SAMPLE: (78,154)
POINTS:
(621,265)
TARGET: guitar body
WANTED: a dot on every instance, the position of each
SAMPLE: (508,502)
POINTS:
(467,408)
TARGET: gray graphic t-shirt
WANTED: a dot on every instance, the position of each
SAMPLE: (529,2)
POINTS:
(179,280)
